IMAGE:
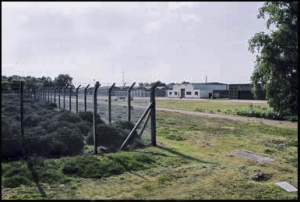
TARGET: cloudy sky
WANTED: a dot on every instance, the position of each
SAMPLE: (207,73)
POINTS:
(148,41)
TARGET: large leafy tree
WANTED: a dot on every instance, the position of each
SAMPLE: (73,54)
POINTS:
(63,80)
(276,65)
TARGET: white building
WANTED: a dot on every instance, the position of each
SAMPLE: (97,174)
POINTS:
(196,90)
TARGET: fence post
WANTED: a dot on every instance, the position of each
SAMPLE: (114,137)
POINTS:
(153,115)
(64,94)
(59,97)
(85,97)
(77,99)
(38,94)
(54,95)
(109,102)
(94,117)
(70,94)
(129,101)
(51,94)
(48,90)
(21,120)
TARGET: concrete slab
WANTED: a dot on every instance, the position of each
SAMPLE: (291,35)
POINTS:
(253,156)
(286,186)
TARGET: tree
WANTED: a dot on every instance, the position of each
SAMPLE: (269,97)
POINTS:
(158,81)
(63,80)
(5,86)
(32,84)
(47,82)
(276,65)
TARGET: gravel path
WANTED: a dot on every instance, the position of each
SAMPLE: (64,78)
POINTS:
(239,118)
(231,117)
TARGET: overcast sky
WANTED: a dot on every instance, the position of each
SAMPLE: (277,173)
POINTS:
(148,41)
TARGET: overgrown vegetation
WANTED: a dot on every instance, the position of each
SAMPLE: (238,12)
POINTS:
(259,110)
(263,112)
(55,133)
(192,160)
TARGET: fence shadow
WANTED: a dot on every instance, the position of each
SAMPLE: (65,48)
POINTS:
(172,151)
(126,168)
(35,177)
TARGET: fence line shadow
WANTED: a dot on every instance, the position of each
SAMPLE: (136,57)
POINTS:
(183,155)
(36,178)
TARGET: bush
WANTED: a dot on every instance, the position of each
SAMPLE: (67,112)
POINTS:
(51,125)
(63,142)
(15,176)
(88,116)
(15,181)
(85,127)
(112,136)
(10,110)
(257,111)
(9,127)
(125,128)
(108,136)
(31,120)
(33,136)
(69,117)
(50,106)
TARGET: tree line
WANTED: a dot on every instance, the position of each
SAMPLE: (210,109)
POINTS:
(31,83)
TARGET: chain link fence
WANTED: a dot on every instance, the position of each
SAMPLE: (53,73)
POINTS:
(27,123)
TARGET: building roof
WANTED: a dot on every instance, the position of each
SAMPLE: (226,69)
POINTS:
(209,83)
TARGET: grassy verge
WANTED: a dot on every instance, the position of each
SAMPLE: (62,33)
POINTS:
(249,109)
(193,160)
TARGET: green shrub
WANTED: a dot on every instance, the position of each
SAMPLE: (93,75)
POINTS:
(257,111)
(69,117)
(50,106)
(88,116)
(62,142)
(108,136)
(164,179)
(85,127)
(15,176)
(10,110)
(9,127)
(292,118)
(31,120)
(15,181)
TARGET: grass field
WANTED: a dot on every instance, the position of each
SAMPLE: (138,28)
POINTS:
(193,160)
(219,106)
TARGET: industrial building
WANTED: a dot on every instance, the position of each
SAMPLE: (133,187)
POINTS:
(197,90)
(243,92)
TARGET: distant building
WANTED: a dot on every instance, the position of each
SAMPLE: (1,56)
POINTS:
(198,90)
(243,92)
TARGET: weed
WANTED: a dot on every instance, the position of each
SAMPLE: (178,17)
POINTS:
(164,179)
(148,187)
(138,195)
